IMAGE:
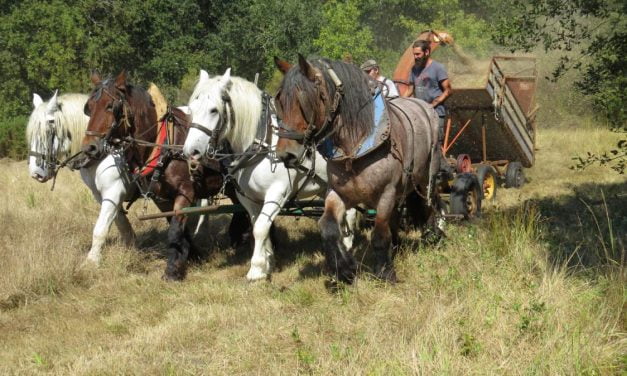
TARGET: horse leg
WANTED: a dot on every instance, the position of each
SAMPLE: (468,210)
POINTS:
(395,225)
(433,229)
(383,236)
(261,262)
(349,227)
(202,217)
(179,241)
(340,263)
(124,226)
(239,229)
(110,206)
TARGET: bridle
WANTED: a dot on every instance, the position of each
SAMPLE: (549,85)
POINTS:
(224,119)
(122,115)
(313,135)
(48,159)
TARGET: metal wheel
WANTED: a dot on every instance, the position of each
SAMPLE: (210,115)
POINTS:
(514,175)
(465,198)
(487,178)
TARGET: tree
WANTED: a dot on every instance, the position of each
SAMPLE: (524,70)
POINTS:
(41,49)
(251,32)
(597,31)
(342,36)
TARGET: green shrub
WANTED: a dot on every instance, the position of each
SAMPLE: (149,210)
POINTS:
(13,138)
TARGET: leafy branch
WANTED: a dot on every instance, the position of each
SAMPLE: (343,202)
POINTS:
(616,158)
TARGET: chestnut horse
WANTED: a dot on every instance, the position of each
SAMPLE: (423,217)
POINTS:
(123,123)
(330,105)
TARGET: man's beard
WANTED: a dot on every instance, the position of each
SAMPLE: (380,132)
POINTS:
(421,61)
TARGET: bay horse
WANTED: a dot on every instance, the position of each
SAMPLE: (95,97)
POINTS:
(233,110)
(123,126)
(329,105)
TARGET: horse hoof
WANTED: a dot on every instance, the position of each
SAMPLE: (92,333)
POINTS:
(346,276)
(255,275)
(172,277)
(92,260)
(387,274)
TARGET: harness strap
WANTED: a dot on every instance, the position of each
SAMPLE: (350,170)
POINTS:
(204,130)
(408,170)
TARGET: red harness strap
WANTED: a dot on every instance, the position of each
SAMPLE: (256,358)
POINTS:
(156,151)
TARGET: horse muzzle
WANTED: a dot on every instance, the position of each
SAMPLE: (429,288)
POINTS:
(93,151)
(290,158)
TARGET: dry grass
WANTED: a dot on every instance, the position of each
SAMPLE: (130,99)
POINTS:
(497,297)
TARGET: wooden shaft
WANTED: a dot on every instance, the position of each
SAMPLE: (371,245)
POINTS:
(485,152)
(194,210)
(448,132)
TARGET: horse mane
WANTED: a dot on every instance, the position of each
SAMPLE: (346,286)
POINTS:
(161,105)
(246,101)
(356,107)
(70,122)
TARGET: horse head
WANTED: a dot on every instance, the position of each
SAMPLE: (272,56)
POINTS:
(211,113)
(302,103)
(110,113)
(45,138)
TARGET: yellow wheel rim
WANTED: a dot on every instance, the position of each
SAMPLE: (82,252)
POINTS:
(489,186)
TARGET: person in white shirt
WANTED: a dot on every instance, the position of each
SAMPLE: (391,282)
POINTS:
(371,68)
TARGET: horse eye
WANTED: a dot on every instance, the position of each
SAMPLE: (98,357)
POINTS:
(214,111)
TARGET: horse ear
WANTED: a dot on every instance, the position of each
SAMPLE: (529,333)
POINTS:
(283,65)
(95,77)
(37,100)
(120,81)
(227,75)
(306,68)
(204,76)
(53,103)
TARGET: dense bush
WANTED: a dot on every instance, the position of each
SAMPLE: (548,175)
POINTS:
(13,138)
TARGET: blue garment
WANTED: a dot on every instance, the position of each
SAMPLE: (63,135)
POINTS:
(329,151)
(426,83)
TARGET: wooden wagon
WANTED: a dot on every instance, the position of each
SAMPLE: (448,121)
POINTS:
(490,132)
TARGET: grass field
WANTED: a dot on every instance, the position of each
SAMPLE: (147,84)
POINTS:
(535,287)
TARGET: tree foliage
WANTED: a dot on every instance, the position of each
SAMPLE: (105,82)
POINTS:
(592,36)
(342,36)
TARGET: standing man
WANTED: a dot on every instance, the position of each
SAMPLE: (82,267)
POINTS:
(430,82)
(371,68)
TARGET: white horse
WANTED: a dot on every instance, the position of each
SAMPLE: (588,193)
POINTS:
(229,109)
(54,131)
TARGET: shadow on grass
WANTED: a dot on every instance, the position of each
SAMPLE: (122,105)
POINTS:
(586,229)
(211,236)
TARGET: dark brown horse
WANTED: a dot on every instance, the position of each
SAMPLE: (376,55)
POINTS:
(123,122)
(330,105)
